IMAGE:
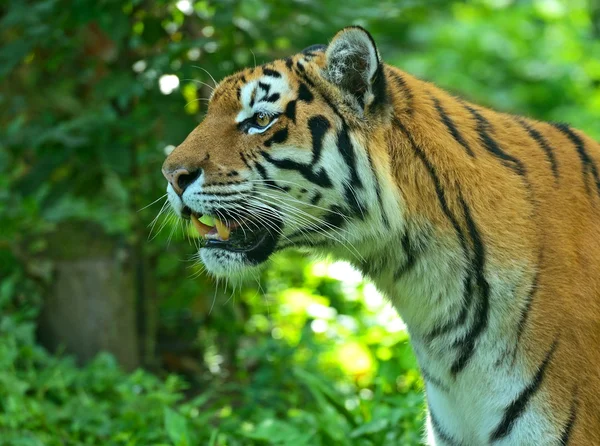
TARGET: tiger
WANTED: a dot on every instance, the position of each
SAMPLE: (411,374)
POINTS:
(482,228)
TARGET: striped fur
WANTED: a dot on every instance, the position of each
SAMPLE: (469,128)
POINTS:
(482,228)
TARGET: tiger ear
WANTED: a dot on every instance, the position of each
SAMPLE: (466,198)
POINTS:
(354,65)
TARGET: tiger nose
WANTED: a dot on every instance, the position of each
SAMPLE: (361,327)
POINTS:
(181,178)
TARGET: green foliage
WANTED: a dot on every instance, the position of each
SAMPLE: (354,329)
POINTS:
(342,382)
(306,357)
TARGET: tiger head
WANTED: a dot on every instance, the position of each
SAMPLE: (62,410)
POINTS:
(284,157)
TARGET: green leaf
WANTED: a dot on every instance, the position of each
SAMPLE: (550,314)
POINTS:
(177,428)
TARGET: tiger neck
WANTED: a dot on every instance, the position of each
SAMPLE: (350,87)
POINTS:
(419,271)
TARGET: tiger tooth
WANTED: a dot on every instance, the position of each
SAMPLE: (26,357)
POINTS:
(200,227)
(222,229)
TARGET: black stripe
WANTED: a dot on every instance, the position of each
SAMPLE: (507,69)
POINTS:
(273,98)
(379,90)
(433,380)
(482,305)
(462,316)
(438,187)
(452,127)
(525,315)
(404,88)
(568,429)
(290,111)
(457,229)
(384,217)
(300,66)
(440,432)
(318,126)
(220,194)
(223,183)
(271,73)
(357,209)
(587,163)
(483,128)
(252,98)
(304,90)
(267,181)
(278,137)
(519,405)
(346,148)
(410,257)
(304,94)
(544,145)
(320,178)
(335,217)
(265,87)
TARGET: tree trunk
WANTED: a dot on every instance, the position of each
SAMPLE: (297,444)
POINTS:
(90,305)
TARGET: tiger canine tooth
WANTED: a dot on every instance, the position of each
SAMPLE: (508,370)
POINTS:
(200,227)
(222,229)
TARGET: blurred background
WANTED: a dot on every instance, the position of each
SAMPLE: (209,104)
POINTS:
(109,333)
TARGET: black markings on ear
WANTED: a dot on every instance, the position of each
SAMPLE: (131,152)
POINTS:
(304,94)
(278,137)
(290,111)
(271,73)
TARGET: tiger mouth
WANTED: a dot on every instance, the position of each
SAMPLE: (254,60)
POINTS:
(242,235)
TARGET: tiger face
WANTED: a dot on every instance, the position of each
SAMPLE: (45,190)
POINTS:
(275,164)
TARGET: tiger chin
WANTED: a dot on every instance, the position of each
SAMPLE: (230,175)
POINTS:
(482,228)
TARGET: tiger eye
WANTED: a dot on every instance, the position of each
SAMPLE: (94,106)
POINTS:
(262,119)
